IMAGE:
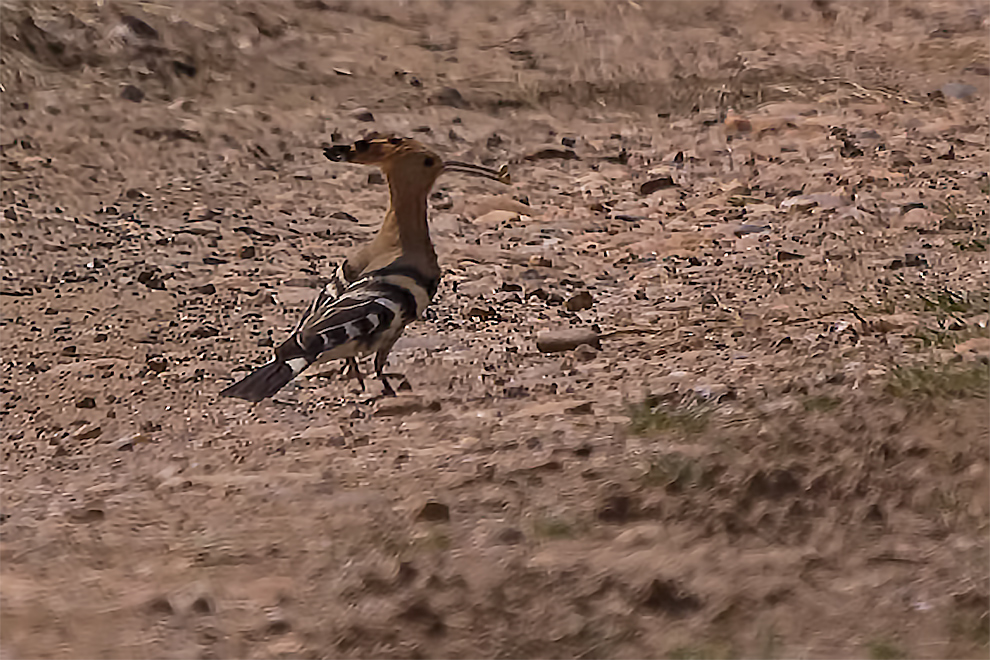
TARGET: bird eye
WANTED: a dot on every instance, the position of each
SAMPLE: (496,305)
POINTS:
(428,161)
(395,140)
(361,145)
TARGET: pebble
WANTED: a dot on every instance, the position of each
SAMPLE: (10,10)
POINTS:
(132,93)
(585,408)
(616,508)
(559,341)
(203,331)
(152,280)
(585,353)
(449,96)
(509,536)
(87,432)
(157,363)
(86,402)
(302,282)
(551,153)
(206,289)
(363,114)
(246,252)
(262,299)
(539,261)
(485,313)
(653,185)
(434,511)
(579,301)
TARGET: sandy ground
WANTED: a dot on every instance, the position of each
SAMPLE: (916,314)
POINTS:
(774,216)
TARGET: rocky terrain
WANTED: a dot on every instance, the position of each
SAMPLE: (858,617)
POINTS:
(767,223)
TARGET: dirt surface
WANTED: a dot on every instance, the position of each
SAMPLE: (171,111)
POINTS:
(772,216)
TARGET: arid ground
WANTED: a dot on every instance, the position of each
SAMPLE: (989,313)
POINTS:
(770,218)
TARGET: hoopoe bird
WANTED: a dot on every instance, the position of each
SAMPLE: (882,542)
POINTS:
(377,291)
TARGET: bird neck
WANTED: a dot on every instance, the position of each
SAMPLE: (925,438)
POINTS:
(405,225)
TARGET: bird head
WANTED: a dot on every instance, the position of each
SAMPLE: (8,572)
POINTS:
(406,158)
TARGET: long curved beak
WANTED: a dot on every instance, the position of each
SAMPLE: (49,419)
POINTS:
(501,174)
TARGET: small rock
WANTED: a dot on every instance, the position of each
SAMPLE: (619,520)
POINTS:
(261,299)
(152,280)
(246,252)
(434,512)
(10,214)
(69,351)
(343,215)
(203,331)
(509,536)
(139,28)
(86,402)
(579,301)
(160,606)
(744,230)
(559,341)
(132,93)
(86,514)
(653,185)
(484,313)
(670,597)
(539,261)
(616,508)
(900,160)
(375,178)
(123,444)
(585,353)
(302,282)
(553,152)
(87,432)
(206,289)
(157,363)
(585,408)
(363,114)
(784,255)
(449,96)
(135,194)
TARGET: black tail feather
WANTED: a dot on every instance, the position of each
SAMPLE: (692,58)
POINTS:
(262,383)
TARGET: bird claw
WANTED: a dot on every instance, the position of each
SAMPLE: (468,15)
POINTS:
(387,388)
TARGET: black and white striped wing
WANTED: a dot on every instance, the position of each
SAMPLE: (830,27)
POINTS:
(334,289)
(367,317)
(369,314)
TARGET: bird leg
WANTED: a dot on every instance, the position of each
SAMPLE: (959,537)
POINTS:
(381,358)
(351,370)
